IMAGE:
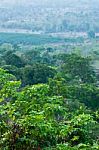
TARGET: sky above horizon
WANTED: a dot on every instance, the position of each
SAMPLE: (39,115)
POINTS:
(6,3)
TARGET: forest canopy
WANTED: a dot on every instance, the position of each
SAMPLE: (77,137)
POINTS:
(48,105)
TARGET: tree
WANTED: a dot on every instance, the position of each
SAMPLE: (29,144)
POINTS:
(91,34)
(78,67)
(35,119)
(37,73)
(13,59)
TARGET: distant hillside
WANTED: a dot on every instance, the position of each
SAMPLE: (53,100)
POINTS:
(49,16)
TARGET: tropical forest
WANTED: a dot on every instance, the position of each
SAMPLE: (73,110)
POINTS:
(49,75)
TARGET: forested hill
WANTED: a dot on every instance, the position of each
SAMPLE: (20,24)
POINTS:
(49,75)
(48,101)
(50,16)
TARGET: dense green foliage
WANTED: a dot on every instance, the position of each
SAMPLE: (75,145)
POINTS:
(36,118)
(48,100)
(49,75)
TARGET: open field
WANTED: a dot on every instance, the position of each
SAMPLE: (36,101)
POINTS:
(23,38)
(37,39)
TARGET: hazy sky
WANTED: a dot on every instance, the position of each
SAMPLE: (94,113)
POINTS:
(3,2)
(35,1)
(14,2)
(28,2)
(44,2)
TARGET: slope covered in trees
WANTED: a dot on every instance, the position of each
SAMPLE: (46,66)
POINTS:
(49,75)
(49,103)
(47,16)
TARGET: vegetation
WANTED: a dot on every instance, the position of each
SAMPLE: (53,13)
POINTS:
(48,101)
(49,75)
(51,17)
(26,39)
